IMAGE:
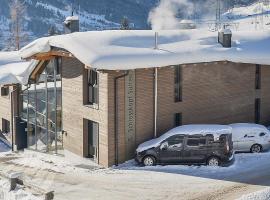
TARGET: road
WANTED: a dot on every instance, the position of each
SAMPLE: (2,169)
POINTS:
(250,173)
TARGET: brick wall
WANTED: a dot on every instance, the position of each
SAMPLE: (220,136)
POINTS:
(5,108)
(74,111)
(220,92)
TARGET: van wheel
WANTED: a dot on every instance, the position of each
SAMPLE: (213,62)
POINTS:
(149,161)
(213,161)
(256,148)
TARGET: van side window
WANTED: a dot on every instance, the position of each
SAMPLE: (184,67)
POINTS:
(176,140)
(196,141)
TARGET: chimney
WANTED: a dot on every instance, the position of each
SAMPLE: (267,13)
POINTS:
(72,24)
(225,38)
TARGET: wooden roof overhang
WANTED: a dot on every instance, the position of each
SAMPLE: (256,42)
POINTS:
(44,57)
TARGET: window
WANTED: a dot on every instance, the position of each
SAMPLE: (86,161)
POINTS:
(175,141)
(90,87)
(4,91)
(257,110)
(5,126)
(196,141)
(91,132)
(177,119)
(262,134)
(258,77)
(178,83)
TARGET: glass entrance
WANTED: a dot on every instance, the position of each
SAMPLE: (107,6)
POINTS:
(42,109)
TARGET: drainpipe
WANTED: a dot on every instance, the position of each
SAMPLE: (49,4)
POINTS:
(156,99)
(116,114)
(12,116)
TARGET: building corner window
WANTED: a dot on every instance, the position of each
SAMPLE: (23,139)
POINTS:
(177,119)
(257,110)
(178,83)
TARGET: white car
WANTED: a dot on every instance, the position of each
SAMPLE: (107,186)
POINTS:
(252,138)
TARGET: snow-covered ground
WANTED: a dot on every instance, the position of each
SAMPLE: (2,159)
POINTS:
(72,177)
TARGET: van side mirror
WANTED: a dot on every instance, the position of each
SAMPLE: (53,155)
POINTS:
(164,146)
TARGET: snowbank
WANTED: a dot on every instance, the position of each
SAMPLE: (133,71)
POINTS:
(260,195)
(216,130)
(13,70)
(132,49)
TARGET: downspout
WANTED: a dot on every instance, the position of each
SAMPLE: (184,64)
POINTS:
(12,116)
(155,102)
(116,114)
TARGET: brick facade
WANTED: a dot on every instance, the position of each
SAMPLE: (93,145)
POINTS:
(218,92)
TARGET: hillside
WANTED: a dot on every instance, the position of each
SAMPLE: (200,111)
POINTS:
(94,15)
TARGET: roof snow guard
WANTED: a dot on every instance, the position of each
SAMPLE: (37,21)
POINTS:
(123,50)
(13,70)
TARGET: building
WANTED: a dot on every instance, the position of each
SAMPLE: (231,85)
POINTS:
(100,94)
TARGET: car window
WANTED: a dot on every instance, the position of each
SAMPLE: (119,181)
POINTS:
(175,141)
(262,134)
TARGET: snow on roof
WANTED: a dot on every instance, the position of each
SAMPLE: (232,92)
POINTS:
(123,50)
(13,70)
(196,129)
(241,129)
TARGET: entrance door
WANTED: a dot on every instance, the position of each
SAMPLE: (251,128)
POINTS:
(91,131)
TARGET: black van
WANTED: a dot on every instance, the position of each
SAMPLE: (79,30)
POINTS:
(189,144)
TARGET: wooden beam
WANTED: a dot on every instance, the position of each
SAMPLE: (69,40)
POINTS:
(38,69)
(50,55)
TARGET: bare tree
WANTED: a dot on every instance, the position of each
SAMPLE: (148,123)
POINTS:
(17,23)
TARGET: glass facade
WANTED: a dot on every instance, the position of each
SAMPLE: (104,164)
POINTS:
(42,109)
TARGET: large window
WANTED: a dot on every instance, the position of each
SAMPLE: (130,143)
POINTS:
(258,77)
(90,91)
(178,83)
(41,108)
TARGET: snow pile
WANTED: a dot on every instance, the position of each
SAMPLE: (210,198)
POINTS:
(260,195)
(215,130)
(61,164)
(18,194)
(132,49)
(14,70)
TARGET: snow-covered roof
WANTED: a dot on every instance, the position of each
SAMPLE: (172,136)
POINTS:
(241,129)
(119,50)
(13,69)
(196,129)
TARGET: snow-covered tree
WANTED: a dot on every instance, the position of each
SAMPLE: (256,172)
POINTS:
(17,23)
